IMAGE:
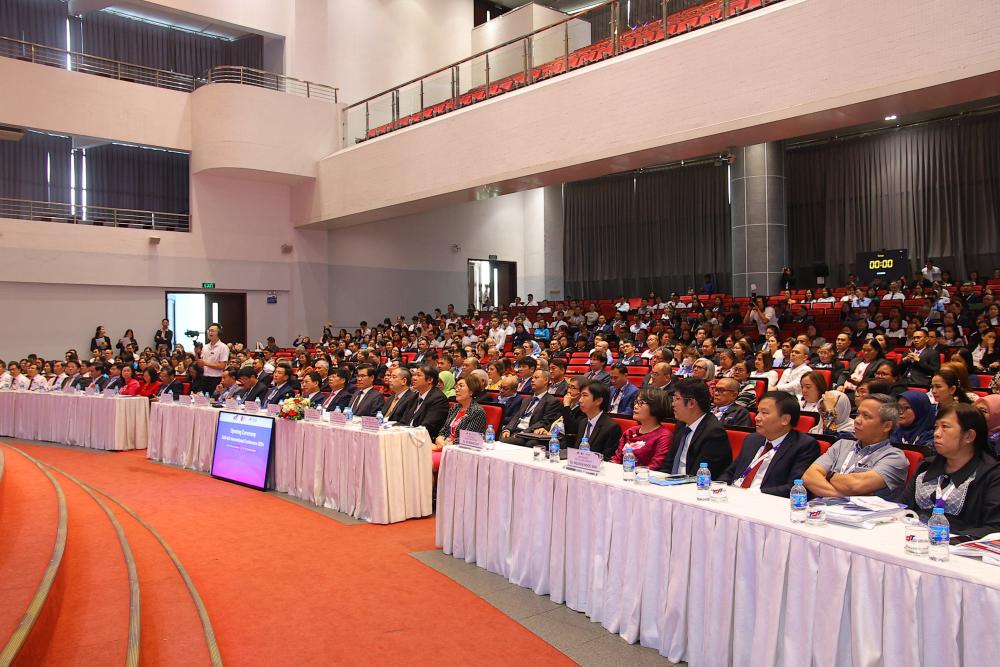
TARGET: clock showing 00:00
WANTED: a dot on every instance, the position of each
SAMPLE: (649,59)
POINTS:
(876,264)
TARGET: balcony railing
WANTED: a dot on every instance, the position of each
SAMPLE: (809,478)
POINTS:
(248,76)
(100,216)
(592,35)
(148,76)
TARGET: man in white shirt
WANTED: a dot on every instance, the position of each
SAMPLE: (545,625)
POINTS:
(60,374)
(931,272)
(531,301)
(544,308)
(497,333)
(791,379)
(13,379)
(214,358)
(894,294)
(623,306)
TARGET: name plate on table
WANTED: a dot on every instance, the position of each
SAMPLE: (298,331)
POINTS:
(313,415)
(109,393)
(231,404)
(338,418)
(581,461)
(273,408)
(201,401)
(471,440)
(69,390)
(251,406)
(91,389)
(370,424)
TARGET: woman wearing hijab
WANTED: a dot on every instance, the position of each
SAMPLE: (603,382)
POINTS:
(916,420)
(964,478)
(990,407)
(835,416)
(447,381)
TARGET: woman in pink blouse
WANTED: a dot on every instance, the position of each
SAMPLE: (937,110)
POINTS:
(651,439)
(130,386)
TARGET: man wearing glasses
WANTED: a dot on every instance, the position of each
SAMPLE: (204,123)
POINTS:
(724,406)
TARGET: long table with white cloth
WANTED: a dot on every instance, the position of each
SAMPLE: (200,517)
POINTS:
(80,419)
(713,583)
(380,477)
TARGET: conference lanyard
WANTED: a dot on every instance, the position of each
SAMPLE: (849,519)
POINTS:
(760,456)
(850,458)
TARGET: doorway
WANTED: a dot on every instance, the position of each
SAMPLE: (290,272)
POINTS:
(191,313)
(492,283)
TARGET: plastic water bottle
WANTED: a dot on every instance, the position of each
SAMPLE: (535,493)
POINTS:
(381,420)
(940,534)
(628,464)
(554,450)
(703,479)
(490,438)
(348,413)
(584,444)
(799,502)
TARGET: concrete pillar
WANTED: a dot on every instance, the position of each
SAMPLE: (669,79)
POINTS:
(759,232)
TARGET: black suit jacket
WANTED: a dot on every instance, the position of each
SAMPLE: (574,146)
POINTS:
(403,407)
(546,411)
(116,381)
(511,408)
(736,415)
(921,371)
(603,438)
(317,398)
(708,443)
(284,391)
(339,401)
(368,405)
(796,453)
(174,388)
(258,390)
(432,413)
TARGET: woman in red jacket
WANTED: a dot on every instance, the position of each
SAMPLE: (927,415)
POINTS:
(651,439)
(151,382)
(130,386)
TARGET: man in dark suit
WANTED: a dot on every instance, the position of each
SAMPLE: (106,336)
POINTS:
(339,395)
(399,402)
(558,385)
(72,374)
(170,388)
(281,387)
(525,371)
(920,365)
(430,410)
(310,387)
(725,408)
(698,436)
(367,400)
(536,413)
(623,392)
(262,382)
(509,398)
(844,351)
(598,360)
(776,455)
(595,424)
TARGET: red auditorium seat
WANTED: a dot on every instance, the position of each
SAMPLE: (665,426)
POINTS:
(806,422)
(914,459)
(185,388)
(823,446)
(636,380)
(827,375)
(625,423)
(736,439)
(638,370)
(494,415)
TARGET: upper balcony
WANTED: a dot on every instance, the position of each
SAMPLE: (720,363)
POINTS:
(788,69)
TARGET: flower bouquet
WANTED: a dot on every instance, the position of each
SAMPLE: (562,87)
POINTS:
(294,408)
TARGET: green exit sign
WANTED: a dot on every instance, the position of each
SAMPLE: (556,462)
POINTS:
(208,285)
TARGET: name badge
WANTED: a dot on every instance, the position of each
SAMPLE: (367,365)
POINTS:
(91,389)
(338,418)
(273,408)
(370,424)
(582,461)
(231,404)
(201,401)
(312,415)
(109,393)
(471,440)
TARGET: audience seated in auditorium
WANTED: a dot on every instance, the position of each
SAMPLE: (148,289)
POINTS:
(869,465)
(465,415)
(170,387)
(776,455)
(724,405)
(650,439)
(791,378)
(623,392)
(698,436)
(535,413)
(594,423)
(281,387)
(431,406)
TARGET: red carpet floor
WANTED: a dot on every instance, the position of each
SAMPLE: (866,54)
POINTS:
(283,585)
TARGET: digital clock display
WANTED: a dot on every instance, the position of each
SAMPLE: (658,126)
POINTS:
(876,264)
(886,264)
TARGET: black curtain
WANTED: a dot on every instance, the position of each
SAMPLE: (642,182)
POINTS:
(934,189)
(36,168)
(120,176)
(161,47)
(658,231)
(37,21)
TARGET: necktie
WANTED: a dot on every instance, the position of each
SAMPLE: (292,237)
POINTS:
(587,431)
(420,402)
(392,406)
(531,407)
(329,400)
(357,400)
(748,478)
(681,438)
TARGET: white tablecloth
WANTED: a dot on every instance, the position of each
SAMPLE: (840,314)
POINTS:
(714,583)
(378,477)
(181,434)
(117,423)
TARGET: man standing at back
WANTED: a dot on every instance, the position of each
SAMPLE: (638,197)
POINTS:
(214,358)
(776,455)
(699,437)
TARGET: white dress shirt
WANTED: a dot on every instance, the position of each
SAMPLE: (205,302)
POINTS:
(692,427)
(765,462)
(215,353)
(790,380)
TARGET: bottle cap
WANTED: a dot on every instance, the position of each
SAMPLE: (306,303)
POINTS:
(702,465)
(939,503)
(939,510)
(798,482)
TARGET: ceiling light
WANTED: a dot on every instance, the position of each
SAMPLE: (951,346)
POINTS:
(892,117)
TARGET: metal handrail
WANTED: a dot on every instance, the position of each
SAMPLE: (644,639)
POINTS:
(150,76)
(96,65)
(101,216)
(249,76)
(621,38)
